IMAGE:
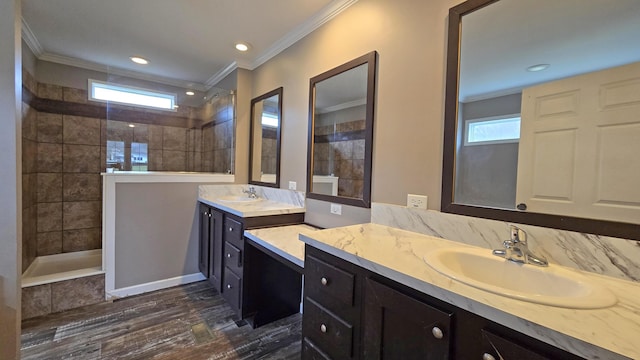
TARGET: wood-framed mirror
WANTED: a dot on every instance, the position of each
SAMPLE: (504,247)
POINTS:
(264,141)
(339,158)
(560,81)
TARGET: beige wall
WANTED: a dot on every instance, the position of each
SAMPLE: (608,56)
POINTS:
(243,120)
(410,37)
(10,178)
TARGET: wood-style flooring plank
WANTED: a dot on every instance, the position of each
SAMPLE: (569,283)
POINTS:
(184,322)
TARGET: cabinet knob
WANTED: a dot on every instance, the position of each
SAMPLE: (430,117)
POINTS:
(209,215)
(230,229)
(324,281)
(206,213)
(323,328)
(437,333)
(228,286)
(487,356)
(229,256)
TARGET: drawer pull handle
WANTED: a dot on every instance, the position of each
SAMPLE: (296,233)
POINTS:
(487,356)
(228,286)
(324,281)
(229,256)
(323,328)
(437,333)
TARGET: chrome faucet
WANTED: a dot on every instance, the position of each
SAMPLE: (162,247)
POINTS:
(251,191)
(516,249)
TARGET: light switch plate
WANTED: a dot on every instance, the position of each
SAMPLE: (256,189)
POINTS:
(292,185)
(417,201)
(336,209)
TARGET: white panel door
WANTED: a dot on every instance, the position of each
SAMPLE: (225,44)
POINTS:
(579,151)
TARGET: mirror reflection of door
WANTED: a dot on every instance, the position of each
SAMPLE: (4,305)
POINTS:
(547,116)
(339,134)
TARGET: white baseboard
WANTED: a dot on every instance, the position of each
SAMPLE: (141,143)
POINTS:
(154,285)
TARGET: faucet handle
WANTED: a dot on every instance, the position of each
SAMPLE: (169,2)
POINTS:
(517,235)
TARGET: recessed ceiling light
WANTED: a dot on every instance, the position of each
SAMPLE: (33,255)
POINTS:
(190,93)
(139,60)
(242,47)
(538,67)
(132,126)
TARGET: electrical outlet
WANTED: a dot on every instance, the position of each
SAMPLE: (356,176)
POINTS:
(417,201)
(292,185)
(336,209)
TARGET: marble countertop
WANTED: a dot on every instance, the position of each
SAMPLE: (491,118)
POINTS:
(609,333)
(272,201)
(283,240)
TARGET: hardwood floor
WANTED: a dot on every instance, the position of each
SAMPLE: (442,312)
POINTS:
(185,322)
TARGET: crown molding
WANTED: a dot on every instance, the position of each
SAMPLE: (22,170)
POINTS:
(346,105)
(221,74)
(90,65)
(327,13)
(30,39)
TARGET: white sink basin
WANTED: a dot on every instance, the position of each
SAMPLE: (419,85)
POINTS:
(240,199)
(552,285)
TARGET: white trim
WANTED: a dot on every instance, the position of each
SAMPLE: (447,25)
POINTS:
(31,40)
(221,74)
(153,286)
(346,105)
(90,65)
(327,13)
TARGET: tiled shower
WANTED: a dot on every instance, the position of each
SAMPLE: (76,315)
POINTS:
(68,141)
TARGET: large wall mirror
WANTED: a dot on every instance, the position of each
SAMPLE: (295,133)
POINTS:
(264,152)
(341,103)
(542,114)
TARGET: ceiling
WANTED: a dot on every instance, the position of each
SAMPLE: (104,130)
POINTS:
(188,43)
(500,41)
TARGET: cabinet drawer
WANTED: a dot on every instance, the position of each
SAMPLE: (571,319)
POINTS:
(331,334)
(311,351)
(327,280)
(233,257)
(232,289)
(233,232)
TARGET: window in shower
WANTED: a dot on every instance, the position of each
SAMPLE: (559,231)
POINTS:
(139,156)
(129,95)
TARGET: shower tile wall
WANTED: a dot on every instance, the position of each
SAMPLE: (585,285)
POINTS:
(217,137)
(269,150)
(339,150)
(63,156)
(29,175)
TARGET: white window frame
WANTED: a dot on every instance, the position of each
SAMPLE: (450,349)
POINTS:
(467,124)
(133,90)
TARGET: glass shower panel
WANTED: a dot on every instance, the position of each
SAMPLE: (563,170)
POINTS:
(196,136)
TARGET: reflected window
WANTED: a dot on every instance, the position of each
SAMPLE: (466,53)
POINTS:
(492,130)
(270,120)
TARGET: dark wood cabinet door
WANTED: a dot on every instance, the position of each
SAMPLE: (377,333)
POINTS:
(397,326)
(203,251)
(216,243)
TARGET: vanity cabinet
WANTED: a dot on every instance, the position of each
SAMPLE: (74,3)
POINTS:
(210,245)
(353,313)
(397,326)
(222,257)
